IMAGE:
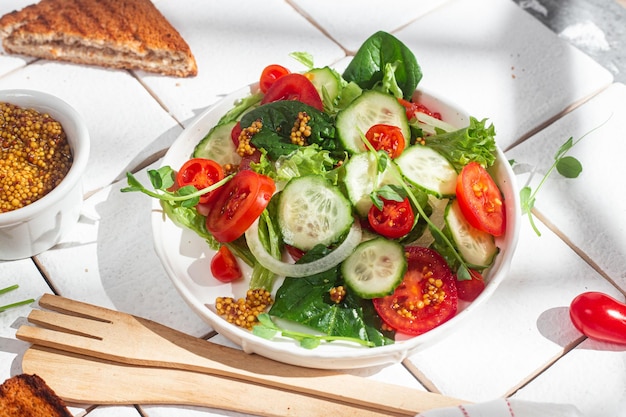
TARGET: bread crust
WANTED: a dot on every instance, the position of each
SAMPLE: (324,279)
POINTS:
(130,34)
(29,396)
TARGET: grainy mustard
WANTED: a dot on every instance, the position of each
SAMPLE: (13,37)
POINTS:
(34,156)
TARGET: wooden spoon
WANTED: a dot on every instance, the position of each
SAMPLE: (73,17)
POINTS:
(85,380)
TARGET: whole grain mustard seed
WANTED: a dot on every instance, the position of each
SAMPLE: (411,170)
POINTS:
(35,156)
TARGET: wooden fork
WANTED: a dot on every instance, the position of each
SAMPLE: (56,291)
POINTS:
(101,333)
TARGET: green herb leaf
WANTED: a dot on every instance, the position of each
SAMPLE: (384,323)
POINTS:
(569,167)
(304,58)
(306,301)
(370,63)
(278,119)
(475,143)
(267,329)
(16,304)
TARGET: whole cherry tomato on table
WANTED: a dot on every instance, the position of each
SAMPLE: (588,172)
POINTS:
(394,220)
(294,87)
(238,204)
(599,316)
(426,297)
(269,76)
(200,173)
(224,265)
(480,199)
(386,138)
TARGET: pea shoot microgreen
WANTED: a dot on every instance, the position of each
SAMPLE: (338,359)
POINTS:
(398,193)
(16,304)
(566,165)
(162,180)
(267,329)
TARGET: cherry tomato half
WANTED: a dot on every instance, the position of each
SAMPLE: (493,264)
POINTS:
(239,203)
(394,220)
(412,108)
(294,252)
(235,133)
(599,316)
(270,74)
(480,199)
(200,173)
(224,266)
(426,297)
(470,289)
(387,138)
(294,87)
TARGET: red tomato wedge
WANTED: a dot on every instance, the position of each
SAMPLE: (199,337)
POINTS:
(224,266)
(269,76)
(426,298)
(294,87)
(480,199)
(235,133)
(200,173)
(470,289)
(412,108)
(239,203)
(387,138)
(599,316)
(394,220)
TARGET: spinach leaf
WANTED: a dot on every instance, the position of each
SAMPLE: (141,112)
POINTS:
(307,301)
(380,54)
(278,120)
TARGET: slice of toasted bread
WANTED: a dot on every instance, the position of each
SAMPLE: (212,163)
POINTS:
(29,396)
(127,34)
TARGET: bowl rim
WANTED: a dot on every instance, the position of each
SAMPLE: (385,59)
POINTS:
(79,144)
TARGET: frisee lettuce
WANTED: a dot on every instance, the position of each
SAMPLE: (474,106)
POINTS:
(476,142)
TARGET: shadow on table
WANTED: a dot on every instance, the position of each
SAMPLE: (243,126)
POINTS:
(555,325)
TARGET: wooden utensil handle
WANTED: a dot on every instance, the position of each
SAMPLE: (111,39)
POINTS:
(83,380)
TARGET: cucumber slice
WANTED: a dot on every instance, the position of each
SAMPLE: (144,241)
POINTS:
(429,170)
(218,146)
(475,246)
(362,177)
(312,211)
(370,108)
(327,83)
(376,268)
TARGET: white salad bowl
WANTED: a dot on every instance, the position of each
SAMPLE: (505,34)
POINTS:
(186,258)
(37,227)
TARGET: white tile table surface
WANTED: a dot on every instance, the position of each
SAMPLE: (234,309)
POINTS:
(489,56)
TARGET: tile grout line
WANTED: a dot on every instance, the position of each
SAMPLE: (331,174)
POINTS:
(535,374)
(581,253)
(426,382)
(570,108)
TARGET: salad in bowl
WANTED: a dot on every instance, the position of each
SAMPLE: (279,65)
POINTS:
(335,220)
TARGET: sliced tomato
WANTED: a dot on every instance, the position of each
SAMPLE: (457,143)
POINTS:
(294,87)
(480,199)
(470,289)
(412,108)
(386,138)
(426,297)
(394,220)
(235,133)
(239,203)
(269,76)
(200,173)
(224,266)
(294,252)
